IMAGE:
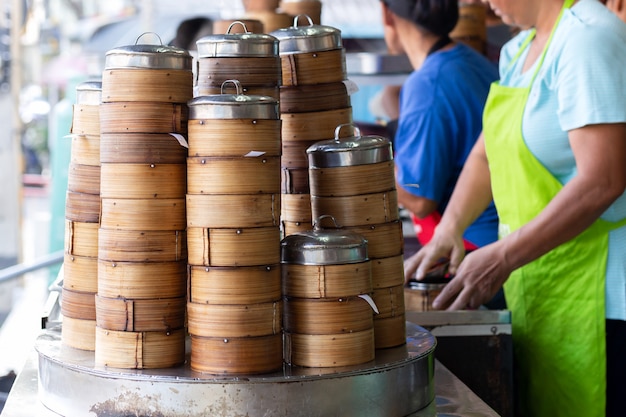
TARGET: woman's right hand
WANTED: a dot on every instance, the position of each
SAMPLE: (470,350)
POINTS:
(443,245)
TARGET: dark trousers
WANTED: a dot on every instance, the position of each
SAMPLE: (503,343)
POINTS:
(616,368)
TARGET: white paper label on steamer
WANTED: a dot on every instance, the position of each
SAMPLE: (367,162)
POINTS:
(181,139)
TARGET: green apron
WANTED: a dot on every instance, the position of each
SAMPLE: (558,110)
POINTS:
(557,302)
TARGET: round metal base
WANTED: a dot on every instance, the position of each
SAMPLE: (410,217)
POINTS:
(397,383)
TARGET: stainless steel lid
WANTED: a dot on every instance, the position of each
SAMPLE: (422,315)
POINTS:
(89,93)
(323,247)
(233,106)
(349,151)
(311,38)
(148,56)
(246,44)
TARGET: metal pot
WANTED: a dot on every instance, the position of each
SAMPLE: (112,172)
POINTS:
(89,93)
(233,106)
(246,44)
(323,247)
(311,38)
(349,151)
(148,56)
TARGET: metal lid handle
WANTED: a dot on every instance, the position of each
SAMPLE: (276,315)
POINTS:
(236,83)
(355,129)
(297,17)
(245,29)
(149,33)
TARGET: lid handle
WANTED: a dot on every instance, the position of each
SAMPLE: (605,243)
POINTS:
(149,33)
(295,20)
(236,83)
(355,129)
(245,29)
(317,225)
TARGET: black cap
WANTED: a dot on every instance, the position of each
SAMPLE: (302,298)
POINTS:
(436,16)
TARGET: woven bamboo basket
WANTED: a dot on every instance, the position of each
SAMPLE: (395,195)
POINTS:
(142,246)
(231,320)
(85,150)
(139,350)
(235,137)
(233,175)
(297,208)
(329,350)
(233,211)
(81,239)
(264,71)
(295,181)
(143,214)
(420,296)
(294,154)
(142,280)
(80,273)
(327,281)
(324,316)
(79,333)
(390,332)
(308,68)
(143,117)
(390,301)
(358,210)
(141,148)
(240,355)
(311,8)
(83,179)
(313,125)
(471,28)
(289,228)
(352,180)
(81,207)
(151,315)
(314,98)
(146,85)
(387,272)
(251,90)
(78,305)
(143,181)
(383,240)
(233,247)
(85,120)
(234,285)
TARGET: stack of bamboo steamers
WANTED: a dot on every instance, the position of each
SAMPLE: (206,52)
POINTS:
(142,268)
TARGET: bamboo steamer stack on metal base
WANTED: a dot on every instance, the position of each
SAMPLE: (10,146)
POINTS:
(142,255)
(352,179)
(234,305)
(82,217)
(314,100)
(327,286)
(250,58)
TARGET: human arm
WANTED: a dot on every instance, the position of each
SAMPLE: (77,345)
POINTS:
(618,7)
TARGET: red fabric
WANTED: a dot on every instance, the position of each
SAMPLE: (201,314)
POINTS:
(425,228)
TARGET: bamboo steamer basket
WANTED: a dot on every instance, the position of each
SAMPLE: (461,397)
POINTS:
(260,5)
(289,228)
(313,98)
(147,181)
(233,247)
(142,280)
(231,320)
(294,155)
(297,208)
(143,214)
(150,315)
(298,127)
(384,240)
(79,333)
(233,175)
(235,137)
(142,245)
(471,28)
(251,90)
(420,295)
(141,148)
(236,355)
(85,150)
(327,281)
(86,111)
(81,239)
(80,273)
(139,350)
(81,207)
(295,181)
(272,19)
(387,272)
(311,8)
(390,301)
(234,285)
(323,316)
(83,179)
(390,332)
(77,304)
(143,117)
(233,211)
(329,350)
(237,45)
(352,180)
(359,209)
(248,25)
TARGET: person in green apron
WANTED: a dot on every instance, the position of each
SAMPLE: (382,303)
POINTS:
(552,157)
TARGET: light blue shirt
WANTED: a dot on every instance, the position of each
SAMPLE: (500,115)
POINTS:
(581,82)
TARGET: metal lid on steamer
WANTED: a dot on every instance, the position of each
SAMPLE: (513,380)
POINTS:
(349,151)
(246,44)
(311,38)
(233,106)
(89,93)
(148,56)
(323,247)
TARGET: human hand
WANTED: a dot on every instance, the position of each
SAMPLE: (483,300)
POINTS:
(442,246)
(618,7)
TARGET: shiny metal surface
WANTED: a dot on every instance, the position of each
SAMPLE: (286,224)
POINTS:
(148,56)
(399,382)
(309,38)
(89,93)
(237,45)
(233,106)
(375,63)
